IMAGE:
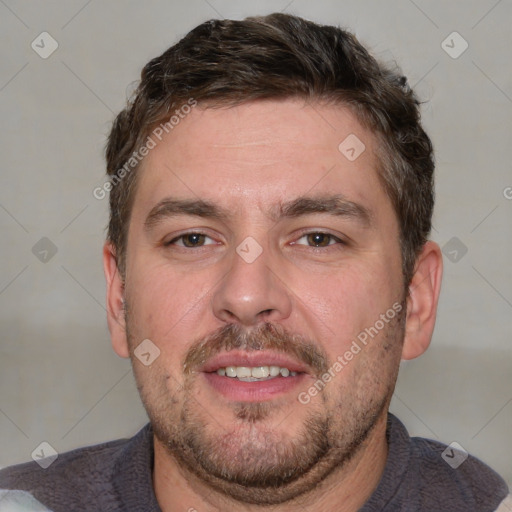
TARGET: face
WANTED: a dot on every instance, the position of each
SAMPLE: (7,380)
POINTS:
(258,258)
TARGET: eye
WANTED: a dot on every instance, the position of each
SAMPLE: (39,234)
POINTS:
(318,239)
(191,240)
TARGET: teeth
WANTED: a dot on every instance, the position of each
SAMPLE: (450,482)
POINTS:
(255,373)
(274,371)
(242,372)
(260,372)
(230,371)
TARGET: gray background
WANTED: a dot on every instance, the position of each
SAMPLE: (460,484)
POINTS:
(60,380)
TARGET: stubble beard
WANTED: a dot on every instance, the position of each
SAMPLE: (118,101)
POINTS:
(255,464)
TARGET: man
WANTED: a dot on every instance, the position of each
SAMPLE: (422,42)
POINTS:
(268,266)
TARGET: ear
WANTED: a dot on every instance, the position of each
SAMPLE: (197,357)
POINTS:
(424,290)
(115,305)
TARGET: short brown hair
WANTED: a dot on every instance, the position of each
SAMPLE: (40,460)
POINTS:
(279,56)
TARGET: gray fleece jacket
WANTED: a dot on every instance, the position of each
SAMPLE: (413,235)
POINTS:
(420,476)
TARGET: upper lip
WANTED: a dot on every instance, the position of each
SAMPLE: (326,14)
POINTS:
(253,359)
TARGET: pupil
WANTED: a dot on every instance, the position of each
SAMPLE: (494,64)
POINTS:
(193,239)
(319,239)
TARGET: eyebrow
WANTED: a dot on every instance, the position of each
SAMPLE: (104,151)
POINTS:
(170,207)
(336,205)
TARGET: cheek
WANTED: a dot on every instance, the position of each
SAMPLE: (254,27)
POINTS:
(168,308)
(166,302)
(345,301)
(364,374)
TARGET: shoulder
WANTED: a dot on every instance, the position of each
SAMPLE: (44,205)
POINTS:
(85,475)
(67,467)
(449,477)
(422,475)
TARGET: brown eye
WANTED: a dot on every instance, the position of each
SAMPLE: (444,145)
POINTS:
(319,239)
(192,240)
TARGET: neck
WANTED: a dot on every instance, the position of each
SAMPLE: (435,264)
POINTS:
(345,490)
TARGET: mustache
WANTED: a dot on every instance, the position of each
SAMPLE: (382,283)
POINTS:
(265,336)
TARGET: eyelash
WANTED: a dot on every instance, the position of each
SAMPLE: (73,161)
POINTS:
(337,240)
(182,236)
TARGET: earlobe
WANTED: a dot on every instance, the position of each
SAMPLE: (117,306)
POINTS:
(115,301)
(424,290)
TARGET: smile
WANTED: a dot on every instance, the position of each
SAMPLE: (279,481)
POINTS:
(255,373)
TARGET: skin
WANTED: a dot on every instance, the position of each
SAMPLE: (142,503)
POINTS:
(250,160)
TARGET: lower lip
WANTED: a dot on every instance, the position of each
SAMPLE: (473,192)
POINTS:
(241,391)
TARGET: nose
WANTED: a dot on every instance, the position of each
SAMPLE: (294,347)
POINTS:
(251,292)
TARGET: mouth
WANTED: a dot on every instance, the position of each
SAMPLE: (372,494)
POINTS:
(256,373)
(253,377)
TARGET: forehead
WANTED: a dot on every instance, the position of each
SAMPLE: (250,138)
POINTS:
(261,154)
